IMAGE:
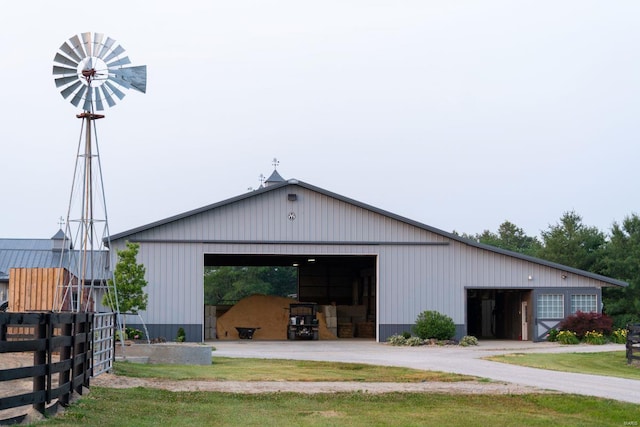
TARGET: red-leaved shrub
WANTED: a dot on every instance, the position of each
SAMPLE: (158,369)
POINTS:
(581,323)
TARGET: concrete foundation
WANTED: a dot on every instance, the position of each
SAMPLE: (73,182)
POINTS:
(167,353)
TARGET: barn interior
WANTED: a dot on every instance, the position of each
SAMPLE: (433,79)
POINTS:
(345,282)
(499,313)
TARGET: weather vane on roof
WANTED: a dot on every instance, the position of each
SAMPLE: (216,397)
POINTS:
(275,163)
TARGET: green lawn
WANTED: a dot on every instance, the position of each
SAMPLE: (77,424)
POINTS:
(612,364)
(226,368)
(150,407)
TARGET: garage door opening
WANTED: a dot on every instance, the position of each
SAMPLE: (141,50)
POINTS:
(343,287)
(499,314)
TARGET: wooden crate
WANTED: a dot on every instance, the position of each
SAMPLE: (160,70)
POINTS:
(345,330)
(33,289)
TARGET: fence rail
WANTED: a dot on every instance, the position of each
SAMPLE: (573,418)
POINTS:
(633,343)
(61,344)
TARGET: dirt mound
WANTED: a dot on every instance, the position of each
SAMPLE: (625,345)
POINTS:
(269,313)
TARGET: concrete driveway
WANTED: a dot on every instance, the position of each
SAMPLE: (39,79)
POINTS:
(461,360)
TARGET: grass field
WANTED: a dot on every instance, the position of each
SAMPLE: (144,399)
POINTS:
(151,407)
(612,364)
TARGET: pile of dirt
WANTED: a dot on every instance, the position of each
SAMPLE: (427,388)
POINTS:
(269,313)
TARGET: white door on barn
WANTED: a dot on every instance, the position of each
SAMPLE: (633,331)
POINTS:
(525,324)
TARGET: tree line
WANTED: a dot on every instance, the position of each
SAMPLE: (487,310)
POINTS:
(229,284)
(570,242)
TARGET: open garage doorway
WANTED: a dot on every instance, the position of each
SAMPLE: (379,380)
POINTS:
(499,314)
(343,287)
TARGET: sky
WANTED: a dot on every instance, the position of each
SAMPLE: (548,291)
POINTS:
(458,114)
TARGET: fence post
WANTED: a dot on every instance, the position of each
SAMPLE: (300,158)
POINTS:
(81,350)
(628,344)
(65,354)
(633,339)
(40,359)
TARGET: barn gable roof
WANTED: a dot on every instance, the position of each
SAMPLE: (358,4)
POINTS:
(294,182)
(39,253)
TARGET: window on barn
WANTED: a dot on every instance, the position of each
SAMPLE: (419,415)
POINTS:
(551,306)
(584,303)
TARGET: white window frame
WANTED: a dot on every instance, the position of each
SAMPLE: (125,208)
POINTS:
(580,301)
(550,304)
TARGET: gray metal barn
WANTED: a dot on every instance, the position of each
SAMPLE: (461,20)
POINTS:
(351,253)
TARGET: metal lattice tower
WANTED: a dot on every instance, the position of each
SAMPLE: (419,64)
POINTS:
(90,70)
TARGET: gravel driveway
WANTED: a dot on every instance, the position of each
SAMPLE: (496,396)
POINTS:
(461,360)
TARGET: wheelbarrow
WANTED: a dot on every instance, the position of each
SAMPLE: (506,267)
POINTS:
(246,333)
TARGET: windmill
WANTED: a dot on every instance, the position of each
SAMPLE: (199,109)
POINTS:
(90,70)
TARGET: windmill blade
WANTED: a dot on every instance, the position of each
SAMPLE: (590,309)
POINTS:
(64,71)
(96,96)
(119,62)
(114,90)
(78,96)
(97,42)
(68,91)
(106,47)
(107,97)
(86,42)
(135,77)
(63,81)
(119,50)
(120,82)
(61,59)
(77,47)
(68,50)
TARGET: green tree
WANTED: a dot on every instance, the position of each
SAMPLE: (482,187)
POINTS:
(232,283)
(218,282)
(622,261)
(283,280)
(510,237)
(130,282)
(571,243)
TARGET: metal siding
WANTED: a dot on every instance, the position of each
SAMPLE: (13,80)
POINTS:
(174,273)
(411,278)
(264,218)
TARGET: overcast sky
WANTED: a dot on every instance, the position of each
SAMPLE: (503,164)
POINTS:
(457,114)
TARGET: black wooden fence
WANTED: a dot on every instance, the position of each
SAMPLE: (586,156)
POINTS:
(61,348)
(633,343)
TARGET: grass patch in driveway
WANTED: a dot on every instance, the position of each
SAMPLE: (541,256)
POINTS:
(151,407)
(240,369)
(611,364)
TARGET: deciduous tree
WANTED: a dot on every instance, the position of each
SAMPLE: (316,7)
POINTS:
(622,261)
(130,282)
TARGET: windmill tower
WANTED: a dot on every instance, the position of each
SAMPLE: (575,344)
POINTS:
(90,70)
